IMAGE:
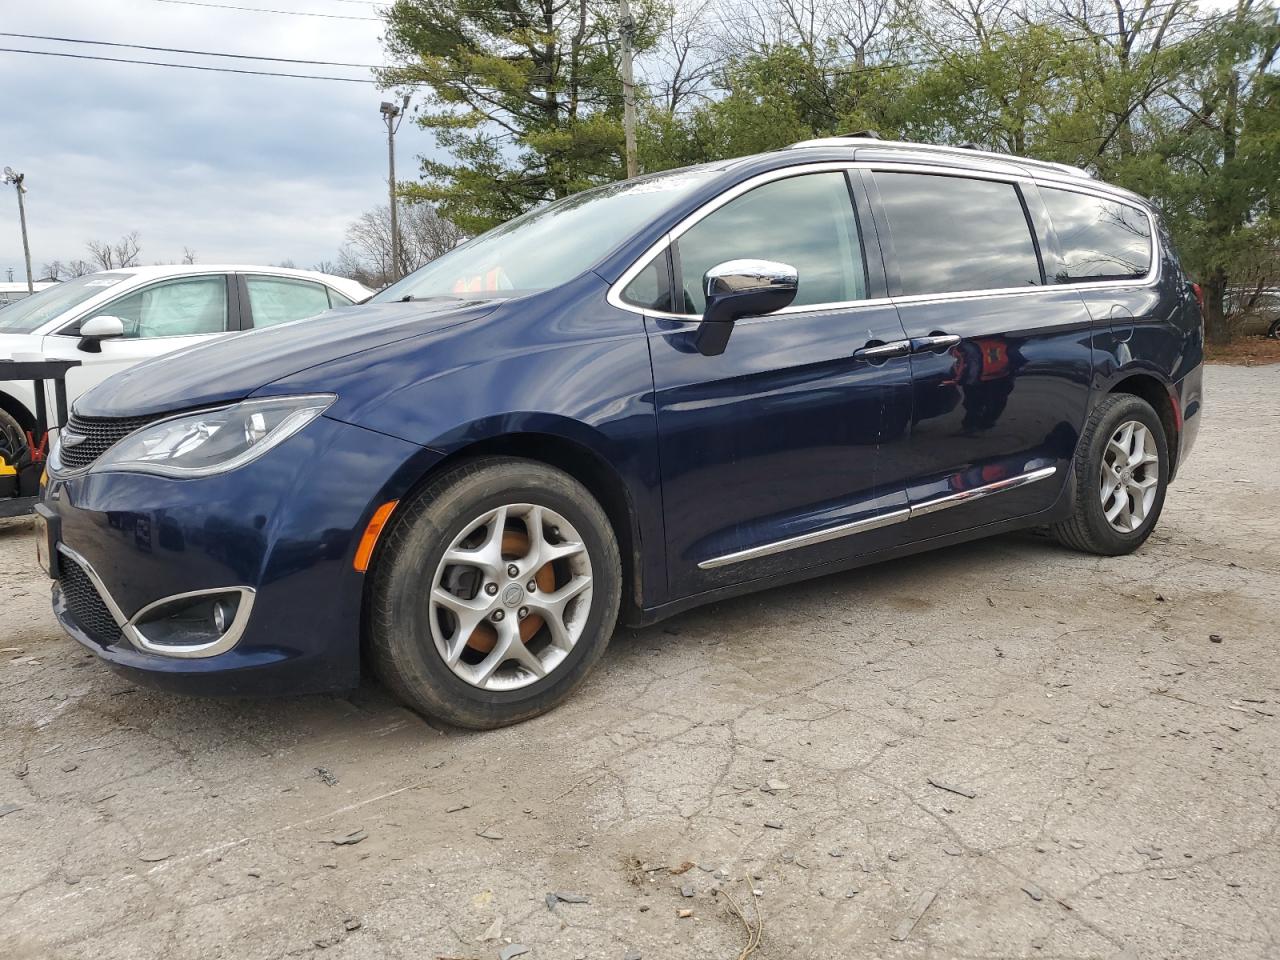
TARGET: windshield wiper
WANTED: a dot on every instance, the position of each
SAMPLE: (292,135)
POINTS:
(410,298)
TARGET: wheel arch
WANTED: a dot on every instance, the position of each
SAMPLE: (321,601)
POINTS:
(586,465)
(1160,396)
(18,410)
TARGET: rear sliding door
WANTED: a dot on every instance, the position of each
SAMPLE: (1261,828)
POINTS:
(1000,360)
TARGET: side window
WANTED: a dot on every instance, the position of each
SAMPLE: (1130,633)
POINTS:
(337,299)
(1100,239)
(806,222)
(651,287)
(176,308)
(278,300)
(953,234)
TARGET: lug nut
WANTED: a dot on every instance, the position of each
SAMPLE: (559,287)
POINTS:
(513,570)
(498,615)
(491,589)
(524,612)
(533,585)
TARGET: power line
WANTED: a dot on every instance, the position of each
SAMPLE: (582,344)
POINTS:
(190,66)
(287,13)
(198,53)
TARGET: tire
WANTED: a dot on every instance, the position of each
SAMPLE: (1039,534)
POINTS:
(1274,330)
(1089,529)
(13,439)
(408,631)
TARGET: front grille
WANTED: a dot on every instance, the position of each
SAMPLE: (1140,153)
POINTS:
(85,605)
(99,434)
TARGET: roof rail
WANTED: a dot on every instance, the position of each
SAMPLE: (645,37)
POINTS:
(970,149)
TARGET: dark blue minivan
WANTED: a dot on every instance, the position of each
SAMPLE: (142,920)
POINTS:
(641,398)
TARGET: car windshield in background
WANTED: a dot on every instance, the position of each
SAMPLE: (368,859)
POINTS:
(33,312)
(550,245)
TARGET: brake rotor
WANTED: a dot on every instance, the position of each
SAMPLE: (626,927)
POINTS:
(515,546)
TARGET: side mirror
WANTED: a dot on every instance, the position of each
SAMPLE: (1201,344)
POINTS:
(97,329)
(741,288)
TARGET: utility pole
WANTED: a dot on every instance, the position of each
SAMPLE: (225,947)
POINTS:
(11,176)
(392,115)
(628,89)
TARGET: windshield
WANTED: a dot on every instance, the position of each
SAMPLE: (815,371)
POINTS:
(549,245)
(31,313)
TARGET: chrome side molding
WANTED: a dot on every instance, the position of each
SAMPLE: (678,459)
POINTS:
(881,520)
(977,493)
(808,539)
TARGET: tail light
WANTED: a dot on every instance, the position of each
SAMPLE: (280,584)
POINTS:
(1199,292)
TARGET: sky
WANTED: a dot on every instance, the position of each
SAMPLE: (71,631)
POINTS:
(241,169)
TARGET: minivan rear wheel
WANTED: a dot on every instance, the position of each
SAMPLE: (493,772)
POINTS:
(1121,473)
(494,594)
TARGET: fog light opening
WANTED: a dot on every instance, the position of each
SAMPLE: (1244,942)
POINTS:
(197,624)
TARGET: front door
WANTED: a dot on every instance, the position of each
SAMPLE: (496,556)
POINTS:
(158,319)
(1000,359)
(772,453)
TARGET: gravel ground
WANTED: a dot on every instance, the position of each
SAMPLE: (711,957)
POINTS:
(1115,769)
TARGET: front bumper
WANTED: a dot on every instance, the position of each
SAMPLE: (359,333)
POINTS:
(281,531)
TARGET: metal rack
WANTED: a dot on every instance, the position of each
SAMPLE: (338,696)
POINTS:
(37,371)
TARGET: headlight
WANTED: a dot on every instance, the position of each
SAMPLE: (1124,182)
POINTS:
(213,441)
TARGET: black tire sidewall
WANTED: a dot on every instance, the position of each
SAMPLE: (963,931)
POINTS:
(1111,540)
(403,642)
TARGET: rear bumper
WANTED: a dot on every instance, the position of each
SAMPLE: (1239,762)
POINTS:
(282,531)
(1189,399)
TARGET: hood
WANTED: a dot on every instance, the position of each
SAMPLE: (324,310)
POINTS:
(231,368)
(24,346)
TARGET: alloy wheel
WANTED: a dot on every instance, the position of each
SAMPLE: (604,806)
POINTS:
(510,597)
(1130,476)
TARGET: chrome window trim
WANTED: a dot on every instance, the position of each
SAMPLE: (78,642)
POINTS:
(1088,188)
(614,296)
(898,515)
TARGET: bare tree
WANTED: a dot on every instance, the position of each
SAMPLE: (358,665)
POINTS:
(188,255)
(682,65)
(114,256)
(424,235)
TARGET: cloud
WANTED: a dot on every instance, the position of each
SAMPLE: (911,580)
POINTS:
(238,168)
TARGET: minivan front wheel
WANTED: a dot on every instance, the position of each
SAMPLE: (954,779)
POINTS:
(495,593)
(1121,473)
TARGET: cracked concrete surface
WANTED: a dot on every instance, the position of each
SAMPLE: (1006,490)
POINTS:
(1124,768)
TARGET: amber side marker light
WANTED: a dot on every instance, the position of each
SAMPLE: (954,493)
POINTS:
(370,539)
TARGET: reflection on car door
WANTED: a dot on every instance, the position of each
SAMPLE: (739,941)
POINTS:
(158,319)
(773,453)
(1000,360)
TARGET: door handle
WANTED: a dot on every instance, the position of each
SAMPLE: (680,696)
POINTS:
(883,351)
(936,342)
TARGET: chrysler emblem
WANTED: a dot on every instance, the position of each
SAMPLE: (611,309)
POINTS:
(73,439)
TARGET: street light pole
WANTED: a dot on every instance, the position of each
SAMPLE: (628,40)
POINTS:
(11,176)
(392,115)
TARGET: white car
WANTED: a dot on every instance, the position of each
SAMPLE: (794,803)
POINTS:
(112,320)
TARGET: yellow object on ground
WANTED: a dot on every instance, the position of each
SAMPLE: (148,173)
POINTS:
(6,470)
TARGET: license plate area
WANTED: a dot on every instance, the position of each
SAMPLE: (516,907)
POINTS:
(48,530)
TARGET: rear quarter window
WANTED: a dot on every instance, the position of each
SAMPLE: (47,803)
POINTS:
(1099,239)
